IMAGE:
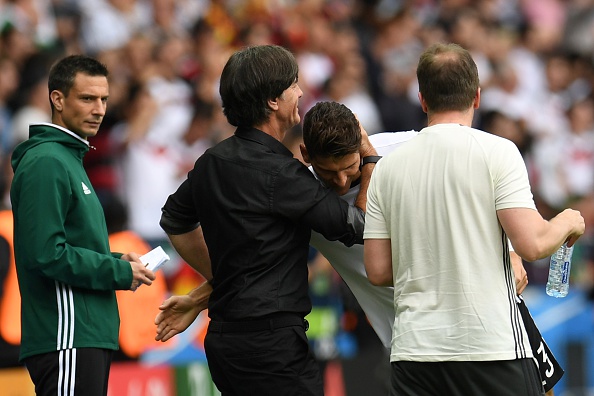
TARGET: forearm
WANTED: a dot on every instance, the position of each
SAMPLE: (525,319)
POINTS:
(361,199)
(366,150)
(193,250)
(99,272)
(201,294)
(533,237)
(377,256)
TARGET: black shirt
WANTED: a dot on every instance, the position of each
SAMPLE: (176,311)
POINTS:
(257,206)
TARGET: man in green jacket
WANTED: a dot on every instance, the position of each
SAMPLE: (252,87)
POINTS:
(67,274)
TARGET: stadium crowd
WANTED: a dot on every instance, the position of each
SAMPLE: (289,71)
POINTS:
(535,58)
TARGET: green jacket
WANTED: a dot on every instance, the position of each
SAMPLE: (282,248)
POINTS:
(67,274)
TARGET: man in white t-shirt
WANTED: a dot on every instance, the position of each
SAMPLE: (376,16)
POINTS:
(440,211)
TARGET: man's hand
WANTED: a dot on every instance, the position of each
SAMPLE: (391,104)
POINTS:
(140,274)
(366,148)
(519,272)
(576,223)
(178,312)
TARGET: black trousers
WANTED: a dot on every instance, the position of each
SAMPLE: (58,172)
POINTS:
(265,363)
(490,378)
(70,372)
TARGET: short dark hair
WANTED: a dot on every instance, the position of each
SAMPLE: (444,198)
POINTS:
(250,78)
(448,77)
(330,129)
(63,73)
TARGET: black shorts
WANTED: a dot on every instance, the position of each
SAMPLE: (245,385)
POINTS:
(476,378)
(550,370)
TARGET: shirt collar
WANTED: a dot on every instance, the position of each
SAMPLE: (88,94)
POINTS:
(74,135)
(263,138)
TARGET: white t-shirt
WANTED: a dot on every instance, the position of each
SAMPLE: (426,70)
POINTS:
(376,302)
(436,198)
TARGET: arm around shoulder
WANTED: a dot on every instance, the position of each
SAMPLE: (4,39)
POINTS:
(366,150)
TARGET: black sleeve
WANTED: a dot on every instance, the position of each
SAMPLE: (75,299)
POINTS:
(300,196)
(337,221)
(179,215)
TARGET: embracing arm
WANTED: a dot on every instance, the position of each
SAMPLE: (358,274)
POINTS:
(356,213)
(366,150)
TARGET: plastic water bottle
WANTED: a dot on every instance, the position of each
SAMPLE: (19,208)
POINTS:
(558,282)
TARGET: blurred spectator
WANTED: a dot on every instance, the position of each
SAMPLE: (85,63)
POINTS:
(500,123)
(526,58)
(109,24)
(33,19)
(505,93)
(201,134)
(565,162)
(396,49)
(548,113)
(547,21)
(9,82)
(219,16)
(31,99)
(68,25)
(579,25)
(16,44)
(349,84)
(152,163)
(316,64)
(207,57)
(469,28)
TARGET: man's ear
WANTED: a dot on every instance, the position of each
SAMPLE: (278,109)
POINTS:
(57,99)
(304,153)
(423,104)
(273,104)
